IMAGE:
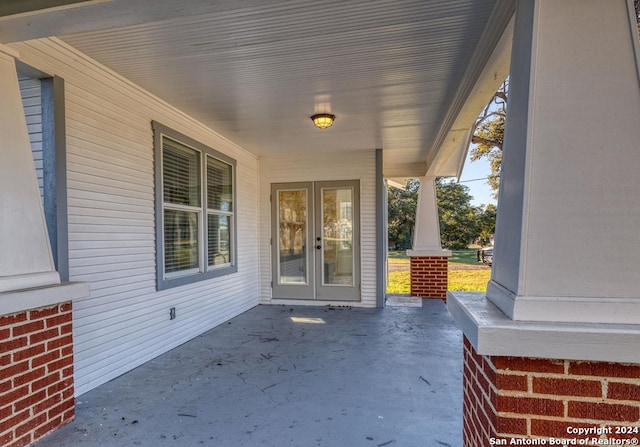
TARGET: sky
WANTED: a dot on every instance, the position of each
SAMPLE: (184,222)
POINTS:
(479,189)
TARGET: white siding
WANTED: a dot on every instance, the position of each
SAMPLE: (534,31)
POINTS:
(31,91)
(328,166)
(126,322)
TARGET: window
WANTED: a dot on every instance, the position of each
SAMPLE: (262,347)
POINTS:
(195,210)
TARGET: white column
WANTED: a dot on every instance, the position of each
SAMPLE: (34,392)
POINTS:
(567,245)
(25,253)
(566,268)
(426,236)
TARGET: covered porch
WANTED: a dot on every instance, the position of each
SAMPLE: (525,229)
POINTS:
(161,175)
(112,254)
(289,376)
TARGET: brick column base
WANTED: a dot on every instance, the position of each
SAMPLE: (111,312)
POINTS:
(516,397)
(429,276)
(36,373)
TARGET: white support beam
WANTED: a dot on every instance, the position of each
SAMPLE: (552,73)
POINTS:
(486,72)
(25,252)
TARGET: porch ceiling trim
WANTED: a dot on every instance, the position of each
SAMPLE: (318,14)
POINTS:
(33,19)
(487,69)
(22,8)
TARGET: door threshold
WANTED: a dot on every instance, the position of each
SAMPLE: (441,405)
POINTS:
(317,303)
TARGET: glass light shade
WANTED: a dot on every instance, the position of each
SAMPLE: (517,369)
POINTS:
(323,120)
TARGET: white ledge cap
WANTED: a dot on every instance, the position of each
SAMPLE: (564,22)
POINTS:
(28,281)
(428,252)
(491,332)
(25,299)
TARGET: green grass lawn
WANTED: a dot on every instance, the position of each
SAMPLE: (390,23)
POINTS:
(468,256)
(398,257)
(460,278)
(399,283)
(469,280)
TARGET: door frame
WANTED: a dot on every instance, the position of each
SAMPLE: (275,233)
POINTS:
(291,291)
(335,292)
(315,289)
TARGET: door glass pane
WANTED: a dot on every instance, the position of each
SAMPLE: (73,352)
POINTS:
(292,237)
(337,236)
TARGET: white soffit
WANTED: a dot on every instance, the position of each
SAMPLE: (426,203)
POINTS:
(26,8)
(256,71)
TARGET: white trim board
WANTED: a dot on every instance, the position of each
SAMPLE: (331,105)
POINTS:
(34,298)
(491,332)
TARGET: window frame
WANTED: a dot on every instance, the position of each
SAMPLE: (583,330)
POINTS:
(204,271)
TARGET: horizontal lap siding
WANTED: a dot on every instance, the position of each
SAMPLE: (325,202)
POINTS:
(126,322)
(320,167)
(31,92)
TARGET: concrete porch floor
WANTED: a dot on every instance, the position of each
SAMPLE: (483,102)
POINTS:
(329,377)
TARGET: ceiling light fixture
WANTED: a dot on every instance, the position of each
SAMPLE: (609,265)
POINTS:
(323,120)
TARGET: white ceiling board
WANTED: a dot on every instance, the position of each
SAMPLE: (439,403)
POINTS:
(255,71)
(23,8)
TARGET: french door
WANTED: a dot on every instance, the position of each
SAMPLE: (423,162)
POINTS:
(316,240)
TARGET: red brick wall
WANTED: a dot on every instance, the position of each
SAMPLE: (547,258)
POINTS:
(36,373)
(515,397)
(429,276)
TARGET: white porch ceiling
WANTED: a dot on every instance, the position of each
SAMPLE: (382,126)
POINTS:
(255,71)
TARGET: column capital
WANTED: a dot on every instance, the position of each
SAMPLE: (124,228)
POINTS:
(426,252)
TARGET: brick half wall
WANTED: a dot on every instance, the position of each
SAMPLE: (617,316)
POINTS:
(429,276)
(36,373)
(515,397)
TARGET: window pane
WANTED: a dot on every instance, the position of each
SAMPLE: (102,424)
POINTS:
(181,174)
(219,237)
(219,185)
(180,240)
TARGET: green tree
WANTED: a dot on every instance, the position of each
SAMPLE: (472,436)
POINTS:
(402,214)
(487,223)
(459,220)
(488,135)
